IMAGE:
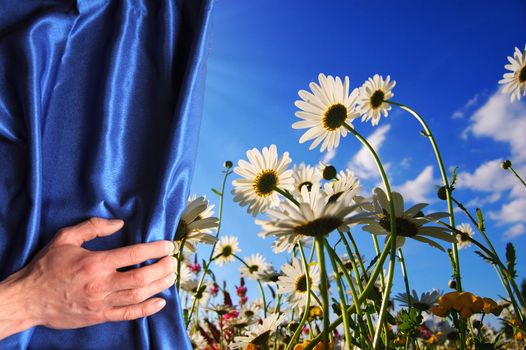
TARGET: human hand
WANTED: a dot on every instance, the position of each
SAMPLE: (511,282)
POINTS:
(67,286)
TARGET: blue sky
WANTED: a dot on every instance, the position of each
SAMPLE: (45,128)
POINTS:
(446,57)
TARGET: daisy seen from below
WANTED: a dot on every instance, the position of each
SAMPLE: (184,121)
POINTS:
(423,303)
(225,250)
(258,337)
(515,81)
(293,282)
(325,110)
(467,231)
(261,175)
(196,223)
(255,268)
(346,184)
(305,175)
(315,216)
(409,223)
(373,94)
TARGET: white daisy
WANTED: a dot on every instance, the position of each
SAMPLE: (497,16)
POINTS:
(423,303)
(197,341)
(258,336)
(409,223)
(515,81)
(185,275)
(261,176)
(346,185)
(248,315)
(325,110)
(373,94)
(202,295)
(315,216)
(462,241)
(257,265)
(196,223)
(305,175)
(281,243)
(294,282)
(226,247)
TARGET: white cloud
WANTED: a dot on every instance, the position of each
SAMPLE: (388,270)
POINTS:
(503,121)
(329,156)
(488,177)
(511,212)
(405,163)
(478,202)
(459,113)
(418,189)
(515,231)
(363,163)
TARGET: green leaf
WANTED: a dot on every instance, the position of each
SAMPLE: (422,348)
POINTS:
(486,258)
(217,192)
(511,260)
(480,220)
(453,179)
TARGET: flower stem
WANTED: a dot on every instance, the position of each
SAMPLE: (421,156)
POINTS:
(259,284)
(298,330)
(287,195)
(517,175)
(207,265)
(406,279)
(393,233)
(324,291)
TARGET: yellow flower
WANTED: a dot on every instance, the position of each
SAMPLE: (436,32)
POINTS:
(315,311)
(440,311)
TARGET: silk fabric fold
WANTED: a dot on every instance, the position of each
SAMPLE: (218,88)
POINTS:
(100,105)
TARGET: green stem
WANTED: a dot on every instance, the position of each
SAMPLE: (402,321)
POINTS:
(377,250)
(517,175)
(305,316)
(406,279)
(362,297)
(277,311)
(179,263)
(207,265)
(287,195)
(324,291)
(393,233)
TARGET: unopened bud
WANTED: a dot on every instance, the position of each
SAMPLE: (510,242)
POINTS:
(505,164)
(329,172)
(228,164)
(441,193)
(452,284)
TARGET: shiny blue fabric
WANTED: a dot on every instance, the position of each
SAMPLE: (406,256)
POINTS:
(100,105)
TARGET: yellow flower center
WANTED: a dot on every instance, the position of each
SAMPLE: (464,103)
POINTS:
(226,251)
(334,117)
(377,98)
(522,75)
(404,227)
(319,227)
(265,183)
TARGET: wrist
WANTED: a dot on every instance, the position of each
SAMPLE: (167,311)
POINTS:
(14,307)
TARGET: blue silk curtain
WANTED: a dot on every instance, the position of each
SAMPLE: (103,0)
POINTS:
(100,105)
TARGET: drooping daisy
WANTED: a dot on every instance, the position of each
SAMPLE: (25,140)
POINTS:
(259,335)
(261,175)
(293,282)
(257,265)
(197,341)
(346,185)
(462,241)
(305,175)
(423,303)
(325,110)
(515,81)
(226,247)
(314,217)
(196,223)
(373,94)
(409,223)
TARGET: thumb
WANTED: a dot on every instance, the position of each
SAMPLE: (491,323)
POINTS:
(88,230)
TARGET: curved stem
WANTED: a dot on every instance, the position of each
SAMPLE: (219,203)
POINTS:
(517,175)
(298,330)
(406,279)
(324,291)
(259,284)
(393,233)
(362,297)
(207,265)
(287,195)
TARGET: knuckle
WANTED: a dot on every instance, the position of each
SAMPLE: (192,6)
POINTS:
(139,278)
(92,289)
(130,314)
(95,222)
(135,254)
(135,296)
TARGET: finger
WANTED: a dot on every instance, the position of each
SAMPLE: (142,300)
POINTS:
(88,230)
(133,312)
(138,253)
(144,275)
(138,295)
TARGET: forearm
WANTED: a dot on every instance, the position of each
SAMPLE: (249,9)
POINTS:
(13,308)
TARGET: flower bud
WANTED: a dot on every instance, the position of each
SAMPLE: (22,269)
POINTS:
(505,164)
(441,193)
(452,284)
(228,164)
(329,172)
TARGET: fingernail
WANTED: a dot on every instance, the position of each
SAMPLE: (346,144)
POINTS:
(170,248)
(116,222)
(159,304)
(173,263)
